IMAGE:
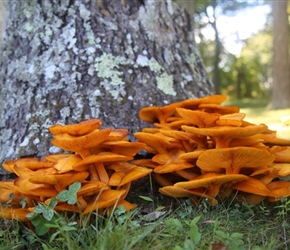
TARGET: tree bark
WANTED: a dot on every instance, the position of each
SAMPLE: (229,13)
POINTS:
(280,97)
(66,61)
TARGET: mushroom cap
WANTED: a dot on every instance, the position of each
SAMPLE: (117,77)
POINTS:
(176,192)
(170,162)
(65,164)
(60,181)
(55,157)
(211,179)
(279,189)
(234,159)
(78,129)
(92,187)
(101,157)
(14,213)
(107,198)
(158,142)
(181,135)
(172,167)
(234,119)
(283,156)
(158,114)
(29,163)
(24,186)
(124,147)
(6,189)
(227,132)
(116,178)
(198,118)
(81,144)
(253,186)
(117,134)
(134,174)
(194,103)
(216,108)
(163,179)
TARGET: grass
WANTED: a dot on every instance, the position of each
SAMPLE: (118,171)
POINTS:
(225,226)
(165,223)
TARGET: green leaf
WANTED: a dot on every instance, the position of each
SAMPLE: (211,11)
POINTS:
(46,211)
(188,245)
(73,188)
(52,203)
(63,195)
(146,198)
(194,234)
(39,223)
(70,195)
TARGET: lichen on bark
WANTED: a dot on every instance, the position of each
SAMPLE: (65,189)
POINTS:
(53,66)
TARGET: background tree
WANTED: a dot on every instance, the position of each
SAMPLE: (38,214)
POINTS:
(280,96)
(206,13)
(249,74)
(65,61)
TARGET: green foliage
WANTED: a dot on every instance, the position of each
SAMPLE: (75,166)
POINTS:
(232,225)
(44,217)
(245,75)
(146,198)
(70,195)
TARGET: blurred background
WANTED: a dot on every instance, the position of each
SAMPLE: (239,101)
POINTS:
(244,45)
(245,48)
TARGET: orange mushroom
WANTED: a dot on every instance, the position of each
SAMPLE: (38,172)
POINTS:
(158,114)
(11,213)
(198,118)
(215,108)
(105,199)
(80,144)
(278,189)
(233,160)
(178,192)
(222,135)
(78,129)
(194,103)
(211,182)
(59,181)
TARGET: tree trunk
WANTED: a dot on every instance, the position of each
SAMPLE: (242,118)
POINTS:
(280,97)
(217,51)
(66,61)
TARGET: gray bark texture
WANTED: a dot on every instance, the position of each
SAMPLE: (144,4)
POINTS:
(67,61)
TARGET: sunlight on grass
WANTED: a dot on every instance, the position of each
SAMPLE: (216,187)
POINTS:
(256,112)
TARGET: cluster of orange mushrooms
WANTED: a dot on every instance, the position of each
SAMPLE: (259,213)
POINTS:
(100,162)
(200,149)
(203,149)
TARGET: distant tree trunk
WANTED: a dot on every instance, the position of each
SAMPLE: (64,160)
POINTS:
(66,61)
(217,52)
(280,97)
